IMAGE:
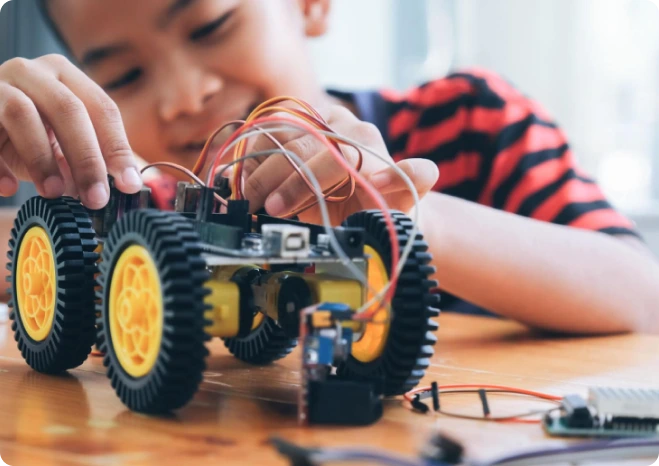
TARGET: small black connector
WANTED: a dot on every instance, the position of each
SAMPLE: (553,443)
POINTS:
(419,405)
(298,456)
(206,205)
(118,205)
(434,390)
(486,406)
(222,186)
(442,449)
(351,240)
(343,402)
(577,412)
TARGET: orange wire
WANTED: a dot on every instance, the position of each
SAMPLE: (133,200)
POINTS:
(312,117)
(311,122)
(520,391)
(520,421)
(326,194)
(373,193)
(201,161)
(316,120)
(174,166)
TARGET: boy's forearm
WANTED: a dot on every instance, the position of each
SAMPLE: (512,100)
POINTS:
(544,275)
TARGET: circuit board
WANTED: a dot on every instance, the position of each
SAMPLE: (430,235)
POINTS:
(611,413)
(557,426)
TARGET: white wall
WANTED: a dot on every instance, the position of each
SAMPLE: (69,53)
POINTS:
(358,50)
(385,43)
(594,64)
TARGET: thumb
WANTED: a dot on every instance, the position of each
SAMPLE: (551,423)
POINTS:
(422,173)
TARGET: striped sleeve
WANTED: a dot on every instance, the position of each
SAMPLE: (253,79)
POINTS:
(496,147)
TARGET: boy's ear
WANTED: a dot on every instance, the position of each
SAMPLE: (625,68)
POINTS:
(316,16)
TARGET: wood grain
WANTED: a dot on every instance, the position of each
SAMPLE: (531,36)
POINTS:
(77,419)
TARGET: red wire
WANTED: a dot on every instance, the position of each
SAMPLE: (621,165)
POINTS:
(521,421)
(521,391)
(372,192)
(319,123)
(201,161)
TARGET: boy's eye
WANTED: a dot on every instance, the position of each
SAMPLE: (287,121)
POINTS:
(128,78)
(210,28)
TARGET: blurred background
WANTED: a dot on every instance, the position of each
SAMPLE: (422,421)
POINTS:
(594,65)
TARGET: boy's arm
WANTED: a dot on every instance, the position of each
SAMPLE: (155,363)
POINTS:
(538,242)
(545,275)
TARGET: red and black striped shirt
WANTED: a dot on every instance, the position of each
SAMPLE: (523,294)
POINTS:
(493,146)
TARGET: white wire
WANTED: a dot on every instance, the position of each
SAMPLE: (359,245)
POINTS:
(366,456)
(578,457)
(407,250)
(558,456)
(287,127)
(358,274)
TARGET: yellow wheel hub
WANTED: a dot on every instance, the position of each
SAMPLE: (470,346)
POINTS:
(36,283)
(372,342)
(135,310)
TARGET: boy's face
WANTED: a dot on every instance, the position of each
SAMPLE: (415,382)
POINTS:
(179,69)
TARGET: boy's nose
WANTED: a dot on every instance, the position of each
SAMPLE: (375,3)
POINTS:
(187,91)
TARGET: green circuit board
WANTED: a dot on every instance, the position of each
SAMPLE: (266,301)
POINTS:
(557,426)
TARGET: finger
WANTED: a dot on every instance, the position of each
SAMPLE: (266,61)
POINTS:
(8,180)
(107,122)
(422,173)
(396,200)
(74,130)
(27,135)
(263,143)
(344,122)
(64,168)
(270,174)
(294,192)
(296,139)
(4,137)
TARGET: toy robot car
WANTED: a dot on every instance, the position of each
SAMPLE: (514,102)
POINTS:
(151,287)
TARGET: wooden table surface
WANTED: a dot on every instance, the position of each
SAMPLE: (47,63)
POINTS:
(78,420)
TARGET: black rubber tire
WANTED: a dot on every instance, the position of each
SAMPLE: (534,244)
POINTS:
(409,346)
(175,248)
(73,241)
(265,344)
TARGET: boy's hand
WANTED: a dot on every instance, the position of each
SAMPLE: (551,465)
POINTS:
(61,131)
(273,183)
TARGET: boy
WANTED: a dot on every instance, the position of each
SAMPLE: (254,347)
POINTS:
(514,226)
